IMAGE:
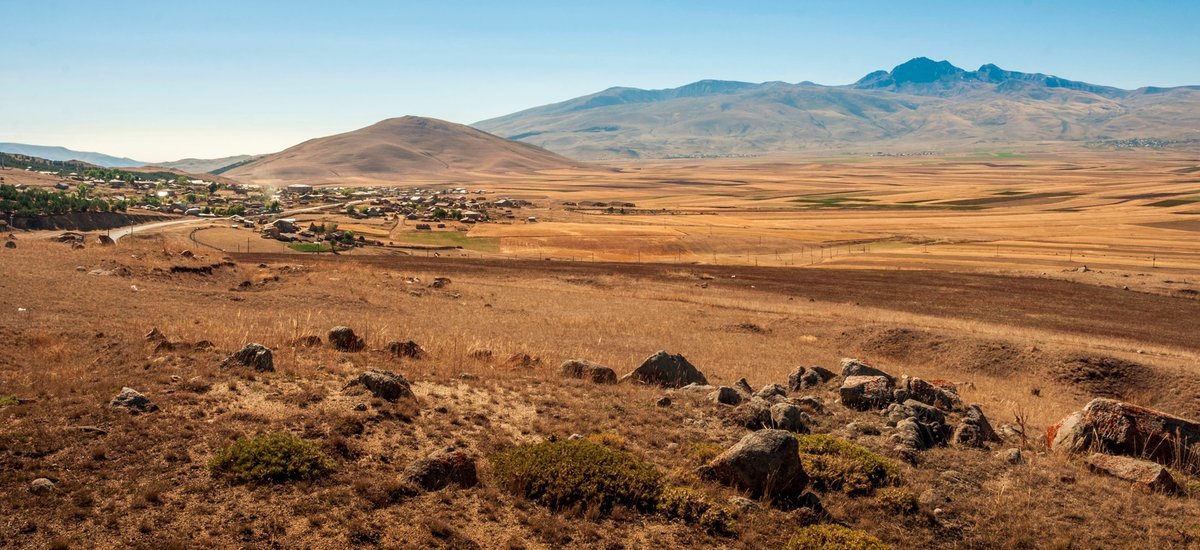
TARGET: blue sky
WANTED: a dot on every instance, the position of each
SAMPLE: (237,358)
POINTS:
(163,80)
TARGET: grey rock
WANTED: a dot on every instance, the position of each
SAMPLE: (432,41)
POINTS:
(663,401)
(666,370)
(808,377)
(974,430)
(256,356)
(854,367)
(811,403)
(384,385)
(786,416)
(133,400)
(725,395)
(441,469)
(344,339)
(764,464)
(1012,456)
(743,387)
(587,370)
(771,391)
(866,392)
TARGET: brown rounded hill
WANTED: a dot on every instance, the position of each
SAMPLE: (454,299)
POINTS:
(399,148)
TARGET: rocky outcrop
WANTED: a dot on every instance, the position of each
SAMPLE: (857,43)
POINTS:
(1118,428)
(974,430)
(587,370)
(866,392)
(1143,474)
(666,370)
(803,378)
(786,416)
(854,367)
(764,464)
(938,393)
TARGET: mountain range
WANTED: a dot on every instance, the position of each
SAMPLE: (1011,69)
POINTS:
(919,104)
(395,148)
(63,154)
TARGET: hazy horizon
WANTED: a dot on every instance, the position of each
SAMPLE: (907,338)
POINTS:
(163,82)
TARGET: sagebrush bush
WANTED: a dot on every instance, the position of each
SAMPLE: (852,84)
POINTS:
(270,458)
(581,473)
(828,536)
(692,506)
(834,464)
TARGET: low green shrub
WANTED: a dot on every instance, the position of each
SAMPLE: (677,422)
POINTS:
(704,452)
(828,536)
(569,474)
(270,458)
(898,500)
(9,400)
(834,464)
(694,507)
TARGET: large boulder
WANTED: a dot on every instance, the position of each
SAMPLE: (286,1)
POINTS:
(725,395)
(808,377)
(764,464)
(1143,474)
(667,370)
(1114,427)
(384,384)
(344,339)
(854,367)
(133,401)
(587,370)
(256,356)
(866,392)
(441,469)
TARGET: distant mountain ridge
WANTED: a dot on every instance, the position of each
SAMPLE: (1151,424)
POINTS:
(921,103)
(56,153)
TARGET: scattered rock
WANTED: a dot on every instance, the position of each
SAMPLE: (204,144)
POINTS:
(725,395)
(188,254)
(10,244)
(939,393)
(771,391)
(133,400)
(1121,428)
(743,504)
(384,385)
(854,367)
(441,469)
(408,349)
(861,428)
(440,282)
(1012,456)
(764,464)
(1144,475)
(482,354)
(344,339)
(743,387)
(257,356)
(155,335)
(666,370)
(866,392)
(360,407)
(105,240)
(975,430)
(587,370)
(808,377)
(810,403)
(663,401)
(786,416)
(41,485)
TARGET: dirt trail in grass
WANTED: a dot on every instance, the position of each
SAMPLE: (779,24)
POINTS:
(1025,302)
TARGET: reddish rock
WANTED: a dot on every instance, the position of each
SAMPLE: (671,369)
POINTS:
(1144,475)
(1121,428)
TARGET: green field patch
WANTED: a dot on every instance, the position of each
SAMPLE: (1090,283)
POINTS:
(310,247)
(451,238)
